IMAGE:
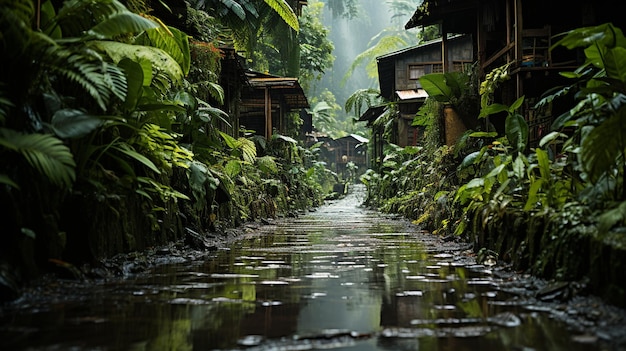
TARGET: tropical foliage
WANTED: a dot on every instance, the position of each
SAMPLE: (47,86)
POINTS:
(112,138)
(571,184)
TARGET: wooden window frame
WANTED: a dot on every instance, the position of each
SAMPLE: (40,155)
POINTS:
(427,67)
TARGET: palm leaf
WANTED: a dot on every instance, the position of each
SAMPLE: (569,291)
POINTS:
(383,46)
(24,10)
(5,179)
(235,8)
(216,91)
(359,98)
(44,152)
(285,11)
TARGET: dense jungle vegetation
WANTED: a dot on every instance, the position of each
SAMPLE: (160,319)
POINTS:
(558,209)
(113,130)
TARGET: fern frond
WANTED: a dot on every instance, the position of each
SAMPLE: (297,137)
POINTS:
(267,164)
(97,77)
(216,91)
(23,10)
(45,153)
(248,150)
(15,39)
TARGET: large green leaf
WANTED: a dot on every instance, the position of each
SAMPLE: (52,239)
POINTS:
(267,164)
(232,168)
(135,78)
(604,146)
(612,217)
(160,59)
(44,152)
(172,41)
(235,8)
(604,34)
(76,17)
(492,109)
(71,123)
(516,131)
(436,87)
(121,23)
(285,138)
(615,63)
(128,150)
(229,140)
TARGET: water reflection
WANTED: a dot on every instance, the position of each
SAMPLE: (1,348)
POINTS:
(340,278)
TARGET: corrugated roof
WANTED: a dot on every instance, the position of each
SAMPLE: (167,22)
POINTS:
(288,87)
(360,138)
(372,113)
(419,46)
(460,15)
(411,94)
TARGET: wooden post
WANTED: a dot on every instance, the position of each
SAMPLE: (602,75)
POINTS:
(519,27)
(268,114)
(444,50)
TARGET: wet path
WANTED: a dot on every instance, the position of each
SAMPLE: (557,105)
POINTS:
(341,278)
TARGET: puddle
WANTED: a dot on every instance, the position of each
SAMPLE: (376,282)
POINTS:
(341,278)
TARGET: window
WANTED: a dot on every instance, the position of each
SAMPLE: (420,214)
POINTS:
(418,70)
(461,66)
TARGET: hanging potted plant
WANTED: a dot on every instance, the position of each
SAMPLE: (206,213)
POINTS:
(454,90)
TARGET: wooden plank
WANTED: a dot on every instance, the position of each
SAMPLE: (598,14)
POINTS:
(498,54)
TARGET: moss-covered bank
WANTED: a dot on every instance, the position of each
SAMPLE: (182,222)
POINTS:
(557,247)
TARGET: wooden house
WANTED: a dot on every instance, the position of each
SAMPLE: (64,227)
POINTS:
(233,80)
(268,100)
(339,152)
(398,76)
(399,73)
(519,33)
